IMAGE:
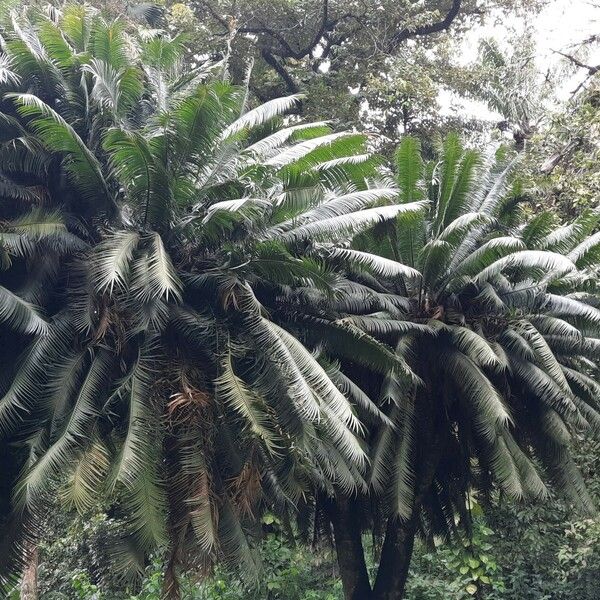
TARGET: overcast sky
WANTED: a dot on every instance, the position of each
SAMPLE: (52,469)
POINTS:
(561,25)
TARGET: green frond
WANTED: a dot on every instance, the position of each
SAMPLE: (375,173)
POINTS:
(303,149)
(320,382)
(474,345)
(537,229)
(163,281)
(543,354)
(163,53)
(569,308)
(112,261)
(492,200)
(73,437)
(452,151)
(409,166)
(337,205)
(457,203)
(57,46)
(235,392)
(502,465)
(76,25)
(335,228)
(383,452)
(477,393)
(269,144)
(364,404)
(20,315)
(7,75)
(587,253)
(464,224)
(143,176)
(564,239)
(531,482)
(108,42)
(539,261)
(261,114)
(545,388)
(84,486)
(384,267)
(402,492)
(488,254)
(58,136)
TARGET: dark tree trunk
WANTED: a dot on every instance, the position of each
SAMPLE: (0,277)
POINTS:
(397,549)
(29,586)
(349,549)
(396,555)
(171,589)
(399,541)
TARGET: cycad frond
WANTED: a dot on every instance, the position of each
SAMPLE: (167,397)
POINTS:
(58,136)
(261,114)
(20,315)
(335,227)
(112,262)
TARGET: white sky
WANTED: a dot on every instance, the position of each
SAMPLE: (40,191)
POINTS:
(559,26)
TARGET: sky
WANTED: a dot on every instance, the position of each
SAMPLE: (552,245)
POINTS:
(560,26)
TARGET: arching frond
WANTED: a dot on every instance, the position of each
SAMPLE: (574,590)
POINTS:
(112,262)
(341,226)
(261,114)
(20,315)
(58,136)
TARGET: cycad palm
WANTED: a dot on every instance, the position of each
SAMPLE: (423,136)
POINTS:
(152,230)
(497,320)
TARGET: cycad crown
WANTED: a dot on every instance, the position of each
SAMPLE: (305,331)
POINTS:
(151,228)
(497,317)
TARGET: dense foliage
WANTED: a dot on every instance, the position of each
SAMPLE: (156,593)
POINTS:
(159,208)
(529,551)
(232,334)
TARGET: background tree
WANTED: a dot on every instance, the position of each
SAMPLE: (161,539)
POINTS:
(327,48)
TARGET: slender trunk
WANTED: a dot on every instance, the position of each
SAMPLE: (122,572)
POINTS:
(171,589)
(29,587)
(349,548)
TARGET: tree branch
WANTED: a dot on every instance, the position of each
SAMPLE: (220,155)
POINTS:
(219,19)
(591,69)
(272,61)
(406,34)
(286,51)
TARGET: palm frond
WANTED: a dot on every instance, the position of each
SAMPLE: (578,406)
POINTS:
(20,315)
(261,114)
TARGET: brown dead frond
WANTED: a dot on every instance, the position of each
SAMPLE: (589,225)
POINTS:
(246,489)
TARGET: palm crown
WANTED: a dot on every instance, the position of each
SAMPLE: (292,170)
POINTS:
(173,223)
(499,325)
(492,324)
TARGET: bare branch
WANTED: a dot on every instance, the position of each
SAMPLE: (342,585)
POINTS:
(280,70)
(430,29)
(592,69)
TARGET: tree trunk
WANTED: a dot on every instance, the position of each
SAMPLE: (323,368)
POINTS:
(398,545)
(29,587)
(396,555)
(171,589)
(349,548)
